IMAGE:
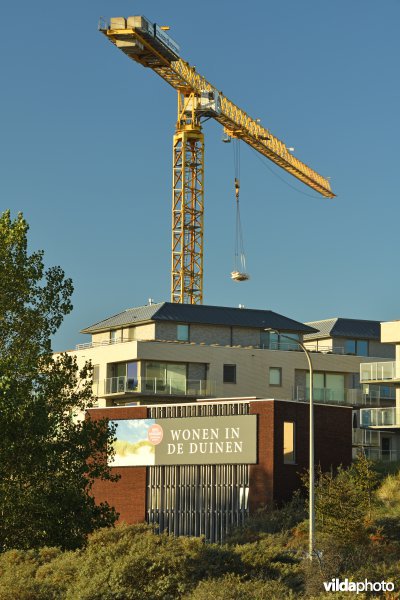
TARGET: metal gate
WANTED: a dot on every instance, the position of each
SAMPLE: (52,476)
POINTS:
(198,499)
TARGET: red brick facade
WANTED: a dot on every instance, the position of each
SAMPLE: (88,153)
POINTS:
(270,479)
(128,495)
(273,481)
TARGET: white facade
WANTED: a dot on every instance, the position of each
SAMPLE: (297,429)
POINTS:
(384,421)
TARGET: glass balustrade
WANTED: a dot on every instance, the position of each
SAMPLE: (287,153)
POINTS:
(154,385)
(380,371)
(380,417)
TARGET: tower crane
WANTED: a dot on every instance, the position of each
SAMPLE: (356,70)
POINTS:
(151,46)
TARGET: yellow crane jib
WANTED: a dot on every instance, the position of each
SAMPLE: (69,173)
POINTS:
(149,45)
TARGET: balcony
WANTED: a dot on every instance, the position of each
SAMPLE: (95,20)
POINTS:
(380,417)
(380,371)
(153,386)
(366,437)
(287,346)
(379,395)
(347,396)
(379,454)
(110,342)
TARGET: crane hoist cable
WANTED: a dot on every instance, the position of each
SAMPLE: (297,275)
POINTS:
(239,272)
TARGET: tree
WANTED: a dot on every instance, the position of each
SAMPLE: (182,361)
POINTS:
(344,500)
(49,458)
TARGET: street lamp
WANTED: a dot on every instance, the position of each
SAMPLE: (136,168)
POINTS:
(311,498)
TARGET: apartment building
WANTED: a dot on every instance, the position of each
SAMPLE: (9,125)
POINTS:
(361,338)
(382,424)
(191,375)
(169,352)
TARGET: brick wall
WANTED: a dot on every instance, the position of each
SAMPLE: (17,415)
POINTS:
(273,481)
(261,490)
(128,495)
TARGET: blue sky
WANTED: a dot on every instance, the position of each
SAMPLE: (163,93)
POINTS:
(86,150)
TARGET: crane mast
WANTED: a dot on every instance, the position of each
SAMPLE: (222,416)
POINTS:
(187,204)
(149,45)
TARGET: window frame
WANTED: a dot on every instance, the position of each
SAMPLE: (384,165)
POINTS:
(279,370)
(180,338)
(96,373)
(356,343)
(224,378)
(113,336)
(287,461)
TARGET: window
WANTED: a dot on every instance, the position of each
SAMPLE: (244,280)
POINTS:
(275,376)
(182,333)
(289,445)
(354,380)
(122,377)
(113,336)
(264,339)
(96,373)
(166,377)
(229,373)
(277,341)
(358,347)
(327,387)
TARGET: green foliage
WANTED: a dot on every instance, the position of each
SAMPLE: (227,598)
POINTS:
(137,565)
(45,471)
(389,494)
(133,563)
(350,537)
(19,575)
(270,520)
(232,587)
(343,501)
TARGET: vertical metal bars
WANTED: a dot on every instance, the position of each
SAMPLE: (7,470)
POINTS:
(198,499)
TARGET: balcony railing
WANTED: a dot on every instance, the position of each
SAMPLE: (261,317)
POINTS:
(378,393)
(379,454)
(324,349)
(86,345)
(380,371)
(272,345)
(366,437)
(347,396)
(153,385)
(380,417)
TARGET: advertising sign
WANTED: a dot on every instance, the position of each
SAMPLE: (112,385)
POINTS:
(186,441)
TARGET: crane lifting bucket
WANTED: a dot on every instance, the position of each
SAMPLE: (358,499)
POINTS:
(238,276)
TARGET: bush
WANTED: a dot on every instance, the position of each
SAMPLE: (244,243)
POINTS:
(270,520)
(263,559)
(138,565)
(18,575)
(389,495)
(233,587)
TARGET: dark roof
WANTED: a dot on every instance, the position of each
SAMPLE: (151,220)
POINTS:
(196,313)
(347,328)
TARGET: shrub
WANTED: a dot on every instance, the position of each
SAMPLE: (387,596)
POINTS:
(270,520)
(135,564)
(18,575)
(233,587)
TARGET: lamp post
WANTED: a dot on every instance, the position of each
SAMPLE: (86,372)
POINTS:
(311,497)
